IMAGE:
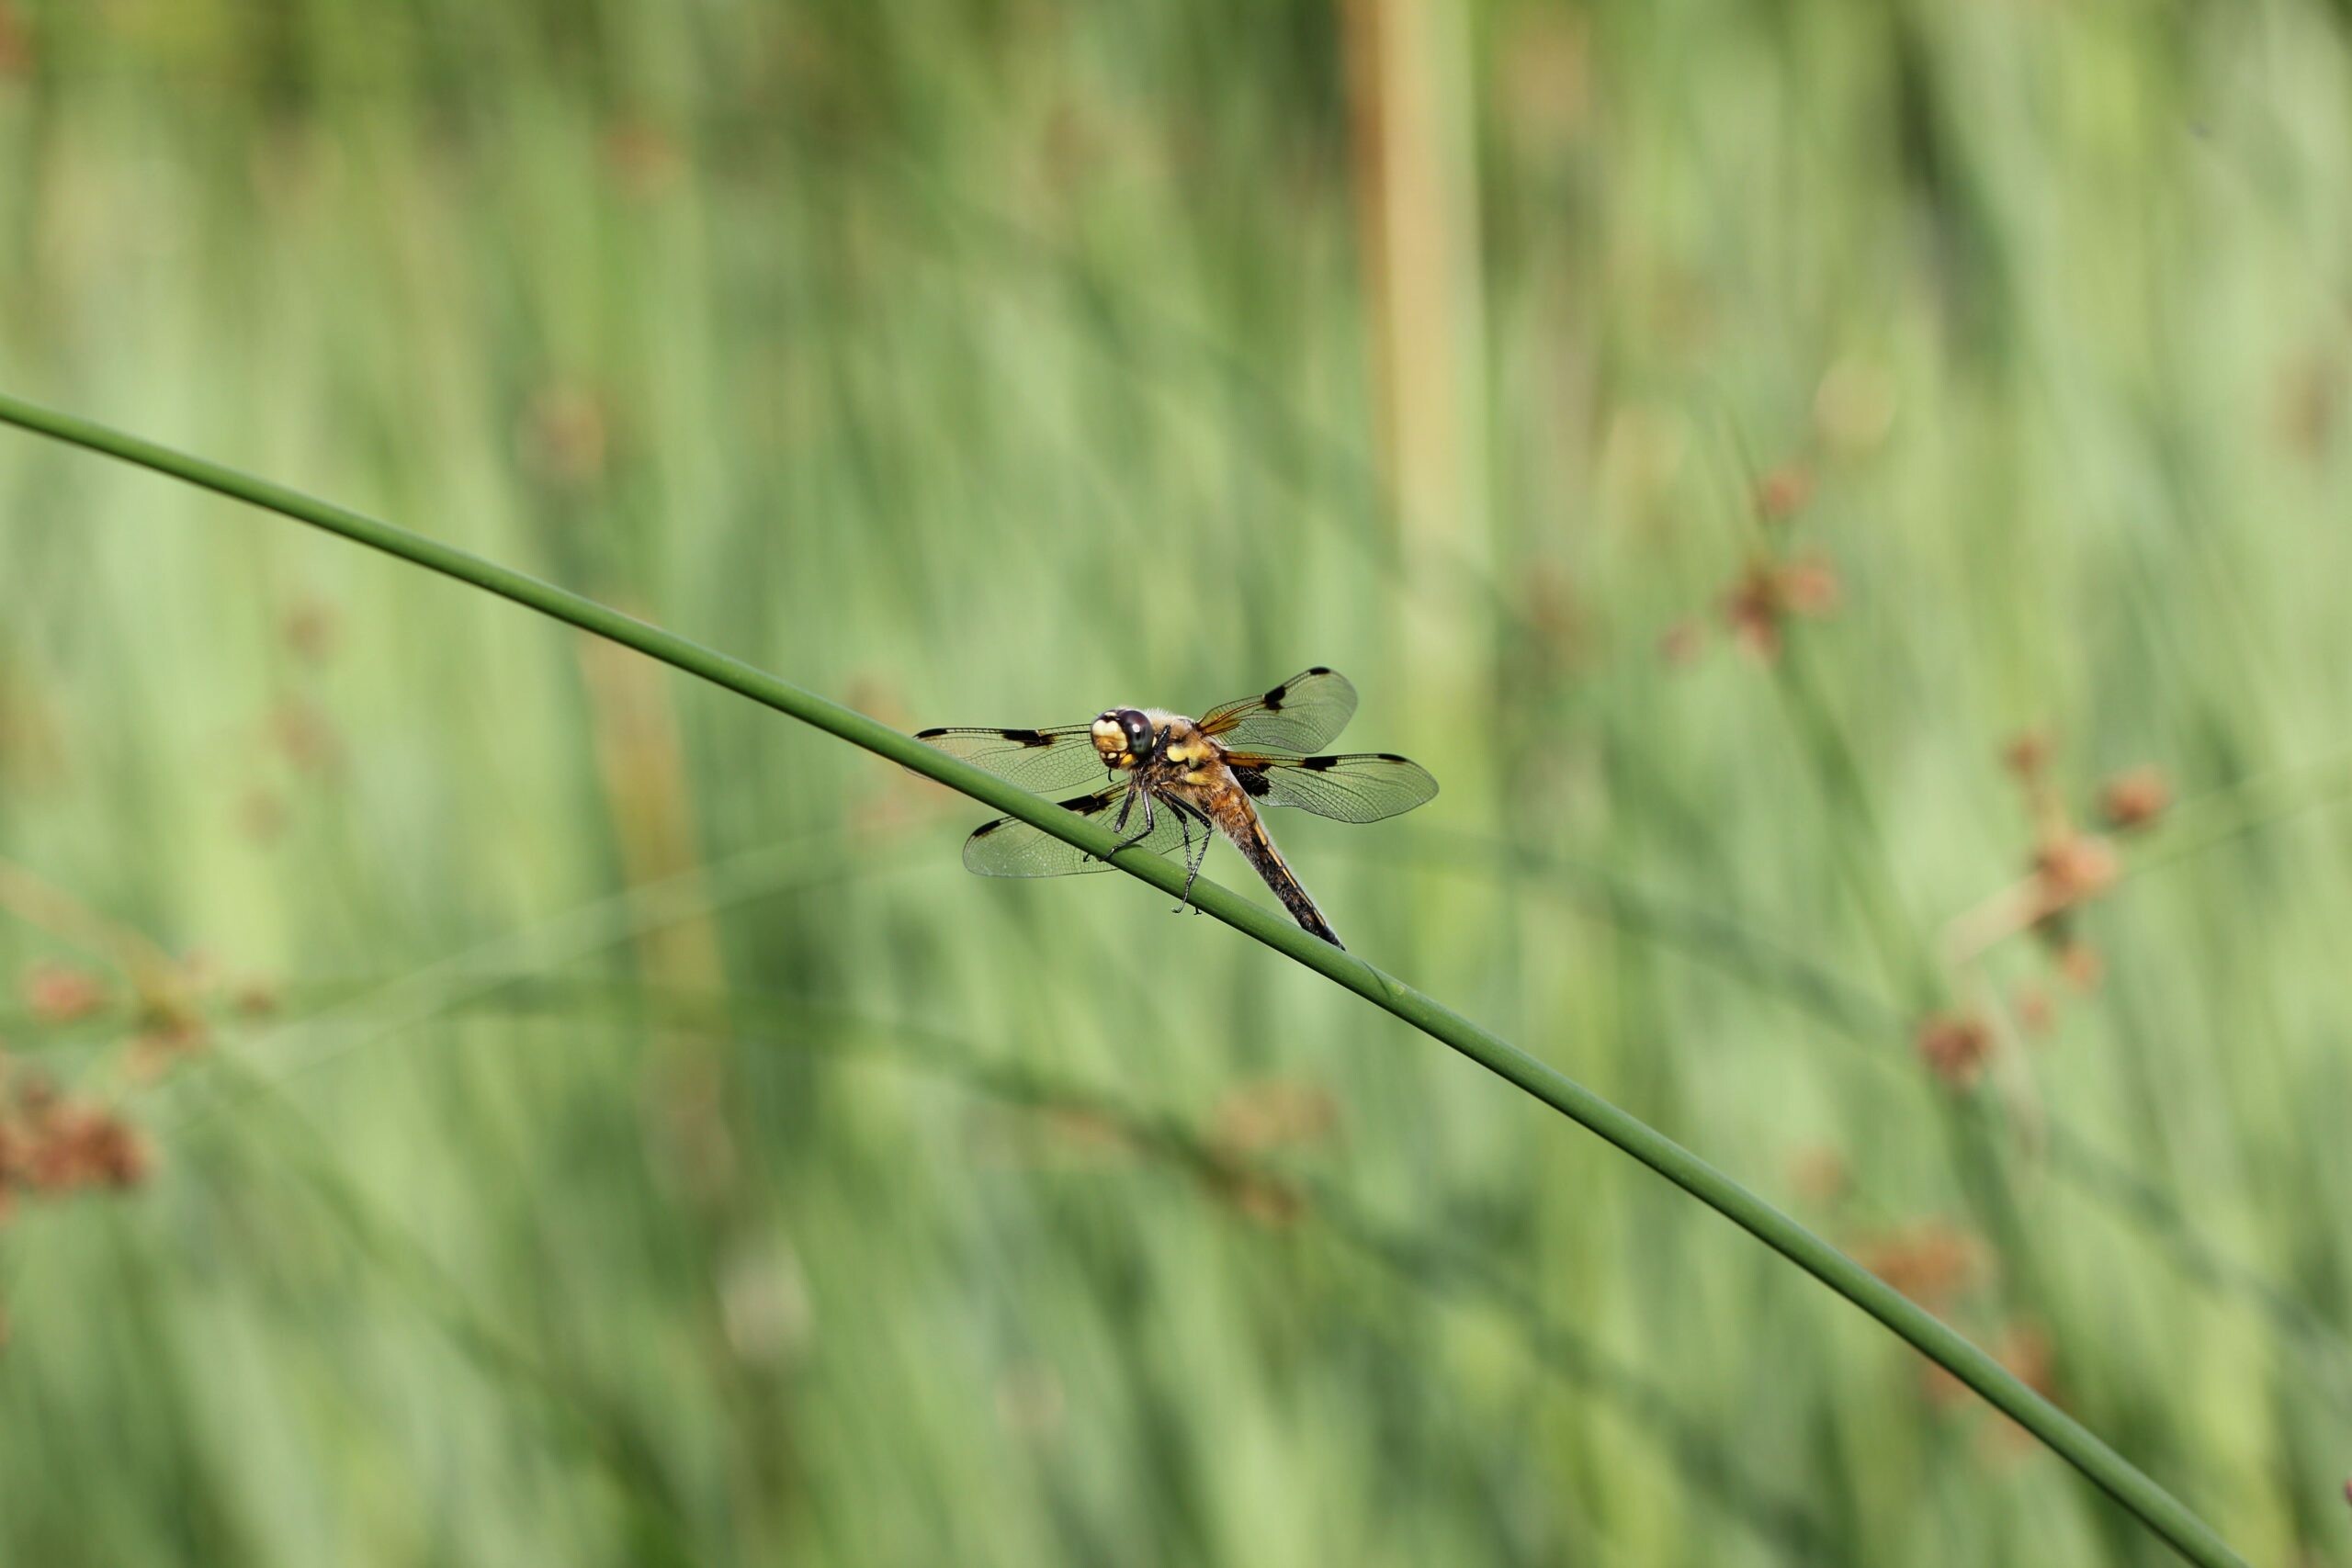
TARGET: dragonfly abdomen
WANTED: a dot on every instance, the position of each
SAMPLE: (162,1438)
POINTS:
(1240,824)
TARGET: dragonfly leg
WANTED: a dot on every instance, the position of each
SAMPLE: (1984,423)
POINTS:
(1184,826)
(1119,823)
(1150,822)
(1193,862)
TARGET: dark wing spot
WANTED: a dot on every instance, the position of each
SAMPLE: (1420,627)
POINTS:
(1027,737)
(927,734)
(1273,699)
(991,826)
(1392,756)
(1320,670)
(1251,780)
(1085,805)
(1319,764)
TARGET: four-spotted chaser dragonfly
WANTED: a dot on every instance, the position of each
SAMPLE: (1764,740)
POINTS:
(1180,777)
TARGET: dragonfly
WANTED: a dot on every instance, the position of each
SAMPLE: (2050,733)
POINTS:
(1181,781)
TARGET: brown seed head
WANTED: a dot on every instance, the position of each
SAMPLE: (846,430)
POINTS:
(112,1152)
(2133,799)
(55,1145)
(1782,493)
(1954,1046)
(1810,587)
(2080,963)
(1930,1261)
(167,1038)
(2027,754)
(1757,605)
(59,993)
(1752,609)
(2070,868)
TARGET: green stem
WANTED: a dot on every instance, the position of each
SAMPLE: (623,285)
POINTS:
(2158,1509)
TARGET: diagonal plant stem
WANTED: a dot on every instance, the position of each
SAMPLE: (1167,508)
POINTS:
(2155,1507)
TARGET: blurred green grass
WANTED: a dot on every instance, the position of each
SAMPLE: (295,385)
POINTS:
(996,362)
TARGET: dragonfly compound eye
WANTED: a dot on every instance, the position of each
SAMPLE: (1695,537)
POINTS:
(1138,730)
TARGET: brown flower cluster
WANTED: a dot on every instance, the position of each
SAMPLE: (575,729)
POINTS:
(1931,1261)
(1782,493)
(2133,799)
(59,993)
(2067,867)
(2070,865)
(1772,591)
(1776,587)
(52,1145)
(1955,1047)
(165,1022)
(1937,1264)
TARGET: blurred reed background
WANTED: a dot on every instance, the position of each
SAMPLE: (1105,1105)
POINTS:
(1849,500)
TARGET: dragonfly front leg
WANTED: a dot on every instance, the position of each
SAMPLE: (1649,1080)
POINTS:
(1150,822)
(1126,806)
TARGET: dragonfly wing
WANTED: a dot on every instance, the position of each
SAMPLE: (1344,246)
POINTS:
(1304,712)
(1038,759)
(1009,847)
(1365,787)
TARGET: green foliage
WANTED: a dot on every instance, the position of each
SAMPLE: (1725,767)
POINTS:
(997,363)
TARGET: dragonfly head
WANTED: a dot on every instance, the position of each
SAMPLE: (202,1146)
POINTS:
(1124,729)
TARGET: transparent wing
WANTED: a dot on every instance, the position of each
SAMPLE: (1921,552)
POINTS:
(1038,759)
(1304,712)
(1360,788)
(1009,847)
